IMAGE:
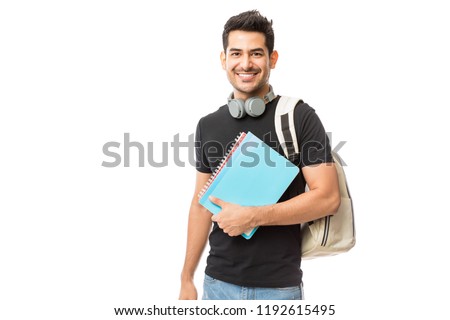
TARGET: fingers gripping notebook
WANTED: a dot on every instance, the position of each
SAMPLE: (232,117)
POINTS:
(251,174)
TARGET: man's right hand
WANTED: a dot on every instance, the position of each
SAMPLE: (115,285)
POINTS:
(188,291)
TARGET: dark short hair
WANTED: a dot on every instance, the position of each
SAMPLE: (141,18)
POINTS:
(250,21)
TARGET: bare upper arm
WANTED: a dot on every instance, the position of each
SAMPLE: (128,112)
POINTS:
(200,180)
(322,177)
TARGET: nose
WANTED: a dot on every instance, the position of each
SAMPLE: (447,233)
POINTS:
(246,62)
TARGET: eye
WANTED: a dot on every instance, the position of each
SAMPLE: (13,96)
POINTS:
(257,54)
(234,54)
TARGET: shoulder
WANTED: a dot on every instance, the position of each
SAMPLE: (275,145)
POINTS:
(309,125)
(210,126)
(215,117)
(306,116)
(303,109)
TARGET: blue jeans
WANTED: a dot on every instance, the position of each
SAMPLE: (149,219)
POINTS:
(214,289)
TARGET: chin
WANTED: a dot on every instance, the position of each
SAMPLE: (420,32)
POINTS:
(247,87)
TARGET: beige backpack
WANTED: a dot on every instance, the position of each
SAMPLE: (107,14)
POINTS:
(332,234)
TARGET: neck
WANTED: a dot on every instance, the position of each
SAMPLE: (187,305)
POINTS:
(262,92)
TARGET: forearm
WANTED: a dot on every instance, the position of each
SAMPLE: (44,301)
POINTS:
(322,199)
(199,226)
(305,207)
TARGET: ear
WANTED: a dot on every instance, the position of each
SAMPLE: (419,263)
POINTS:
(273,59)
(223,60)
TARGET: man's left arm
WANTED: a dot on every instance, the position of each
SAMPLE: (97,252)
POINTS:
(323,199)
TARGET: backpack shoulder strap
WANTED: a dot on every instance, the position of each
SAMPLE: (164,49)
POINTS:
(284,125)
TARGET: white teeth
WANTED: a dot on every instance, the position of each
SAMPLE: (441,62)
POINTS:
(246,75)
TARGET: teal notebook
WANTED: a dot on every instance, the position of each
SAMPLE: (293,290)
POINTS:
(251,174)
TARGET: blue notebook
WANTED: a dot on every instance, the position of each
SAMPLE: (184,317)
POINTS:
(251,174)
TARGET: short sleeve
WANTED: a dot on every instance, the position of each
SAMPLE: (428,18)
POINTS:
(314,143)
(201,162)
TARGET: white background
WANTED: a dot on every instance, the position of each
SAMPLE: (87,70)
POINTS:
(77,239)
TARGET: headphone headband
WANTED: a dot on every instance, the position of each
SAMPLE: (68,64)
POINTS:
(270,95)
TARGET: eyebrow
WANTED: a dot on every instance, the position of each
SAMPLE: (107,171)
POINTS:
(252,50)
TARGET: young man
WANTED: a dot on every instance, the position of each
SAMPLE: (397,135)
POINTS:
(268,265)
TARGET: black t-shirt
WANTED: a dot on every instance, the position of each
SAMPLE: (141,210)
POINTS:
(271,258)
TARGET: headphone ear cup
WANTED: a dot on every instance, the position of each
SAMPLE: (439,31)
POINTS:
(255,106)
(236,108)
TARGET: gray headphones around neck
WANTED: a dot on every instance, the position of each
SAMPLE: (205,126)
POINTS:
(254,106)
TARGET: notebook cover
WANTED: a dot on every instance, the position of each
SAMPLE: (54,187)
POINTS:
(251,174)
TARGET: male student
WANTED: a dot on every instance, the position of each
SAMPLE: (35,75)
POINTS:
(267,266)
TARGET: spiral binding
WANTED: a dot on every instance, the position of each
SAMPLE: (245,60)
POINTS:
(222,163)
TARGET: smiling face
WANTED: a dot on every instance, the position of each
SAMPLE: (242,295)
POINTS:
(247,63)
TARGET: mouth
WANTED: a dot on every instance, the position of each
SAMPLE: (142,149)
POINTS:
(246,76)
